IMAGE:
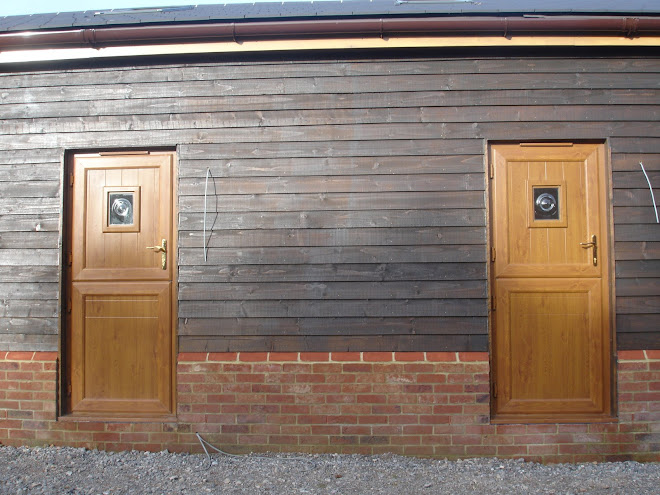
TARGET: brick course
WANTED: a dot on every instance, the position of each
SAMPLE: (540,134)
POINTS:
(428,404)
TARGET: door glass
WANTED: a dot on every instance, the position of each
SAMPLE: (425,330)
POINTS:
(546,203)
(121,208)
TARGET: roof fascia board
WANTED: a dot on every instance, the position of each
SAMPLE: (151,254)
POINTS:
(63,54)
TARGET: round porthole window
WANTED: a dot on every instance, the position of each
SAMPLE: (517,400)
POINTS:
(121,207)
(546,203)
(121,210)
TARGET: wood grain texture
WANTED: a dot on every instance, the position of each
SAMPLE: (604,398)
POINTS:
(336,220)
(29,308)
(336,184)
(640,287)
(31,240)
(26,257)
(325,272)
(637,268)
(636,197)
(362,101)
(20,341)
(331,290)
(29,171)
(310,237)
(372,118)
(637,250)
(330,166)
(29,273)
(305,308)
(363,140)
(360,172)
(635,215)
(637,323)
(322,66)
(335,255)
(344,326)
(629,162)
(286,343)
(639,340)
(636,305)
(636,232)
(377,83)
(30,189)
(18,327)
(377,199)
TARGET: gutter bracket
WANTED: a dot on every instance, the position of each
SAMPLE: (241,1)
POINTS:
(89,37)
(630,26)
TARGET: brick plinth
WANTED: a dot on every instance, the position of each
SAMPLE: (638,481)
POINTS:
(428,404)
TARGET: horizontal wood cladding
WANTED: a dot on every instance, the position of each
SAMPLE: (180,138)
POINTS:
(294,343)
(331,166)
(256,69)
(636,247)
(347,198)
(324,85)
(385,271)
(331,290)
(310,237)
(370,117)
(253,110)
(336,327)
(364,140)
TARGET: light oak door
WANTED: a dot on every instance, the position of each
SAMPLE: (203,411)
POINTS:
(551,342)
(119,336)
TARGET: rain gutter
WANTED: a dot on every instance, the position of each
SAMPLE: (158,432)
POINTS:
(620,27)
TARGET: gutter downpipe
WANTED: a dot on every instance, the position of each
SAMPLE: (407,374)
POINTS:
(629,27)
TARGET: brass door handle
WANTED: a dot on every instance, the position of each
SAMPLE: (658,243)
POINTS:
(593,244)
(163,250)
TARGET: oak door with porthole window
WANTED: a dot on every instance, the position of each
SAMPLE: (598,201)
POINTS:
(119,339)
(551,339)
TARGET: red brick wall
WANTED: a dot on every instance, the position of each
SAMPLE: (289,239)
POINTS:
(431,404)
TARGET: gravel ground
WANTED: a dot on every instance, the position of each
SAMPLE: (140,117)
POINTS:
(56,470)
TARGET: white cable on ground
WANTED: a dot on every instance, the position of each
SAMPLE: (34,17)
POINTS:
(655,208)
(204,443)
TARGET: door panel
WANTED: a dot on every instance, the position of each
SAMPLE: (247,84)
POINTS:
(529,247)
(552,344)
(551,330)
(119,336)
(107,249)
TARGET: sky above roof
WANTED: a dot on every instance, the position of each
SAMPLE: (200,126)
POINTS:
(8,7)
(28,7)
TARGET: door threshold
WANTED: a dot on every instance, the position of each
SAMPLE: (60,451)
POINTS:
(510,419)
(128,418)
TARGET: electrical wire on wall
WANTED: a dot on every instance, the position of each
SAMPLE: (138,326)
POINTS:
(205,241)
(648,181)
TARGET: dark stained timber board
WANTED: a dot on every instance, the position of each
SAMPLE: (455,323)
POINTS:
(347,206)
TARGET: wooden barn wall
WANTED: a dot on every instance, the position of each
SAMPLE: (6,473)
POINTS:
(347,202)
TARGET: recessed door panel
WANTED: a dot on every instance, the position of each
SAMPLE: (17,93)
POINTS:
(122,343)
(552,339)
